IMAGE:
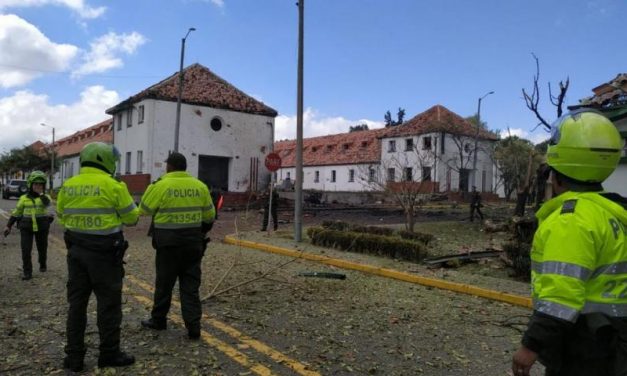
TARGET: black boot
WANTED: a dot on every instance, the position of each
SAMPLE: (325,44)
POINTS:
(155,324)
(119,359)
(27,276)
(73,365)
(43,268)
(193,333)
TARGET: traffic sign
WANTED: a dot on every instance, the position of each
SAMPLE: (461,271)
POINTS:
(273,162)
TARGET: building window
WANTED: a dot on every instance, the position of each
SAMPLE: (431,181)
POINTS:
(426,174)
(118,120)
(391,146)
(333,176)
(129,118)
(128,162)
(140,114)
(426,143)
(484,180)
(288,176)
(317,177)
(140,161)
(372,174)
(409,144)
(467,148)
(409,174)
(351,175)
(391,174)
(216,124)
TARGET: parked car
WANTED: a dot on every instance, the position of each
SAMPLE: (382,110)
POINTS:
(15,188)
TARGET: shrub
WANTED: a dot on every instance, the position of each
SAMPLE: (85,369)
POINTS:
(367,243)
(416,236)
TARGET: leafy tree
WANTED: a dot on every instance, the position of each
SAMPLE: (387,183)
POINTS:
(387,118)
(514,157)
(357,128)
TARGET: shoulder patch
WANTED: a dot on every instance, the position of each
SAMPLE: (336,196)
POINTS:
(568,206)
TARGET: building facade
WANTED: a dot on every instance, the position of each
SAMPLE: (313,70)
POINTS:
(224,133)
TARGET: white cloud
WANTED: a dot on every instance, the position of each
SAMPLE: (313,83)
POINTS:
(22,114)
(104,51)
(78,6)
(536,137)
(26,53)
(219,3)
(315,125)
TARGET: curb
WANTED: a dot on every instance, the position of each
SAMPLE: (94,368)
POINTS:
(517,300)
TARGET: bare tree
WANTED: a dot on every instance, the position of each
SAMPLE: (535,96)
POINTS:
(412,189)
(533,100)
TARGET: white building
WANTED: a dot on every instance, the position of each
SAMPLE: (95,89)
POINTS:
(224,133)
(435,147)
(68,149)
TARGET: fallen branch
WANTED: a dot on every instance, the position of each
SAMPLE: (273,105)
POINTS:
(211,295)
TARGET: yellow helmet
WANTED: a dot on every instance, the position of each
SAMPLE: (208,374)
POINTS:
(585,146)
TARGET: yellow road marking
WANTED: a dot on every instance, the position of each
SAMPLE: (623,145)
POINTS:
(522,301)
(231,352)
(279,357)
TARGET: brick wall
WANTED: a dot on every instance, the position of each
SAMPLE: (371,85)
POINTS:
(136,183)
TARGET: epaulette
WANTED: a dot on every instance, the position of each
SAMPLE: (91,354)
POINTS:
(568,206)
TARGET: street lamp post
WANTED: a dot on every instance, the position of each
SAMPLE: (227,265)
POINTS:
(474,159)
(178,101)
(52,157)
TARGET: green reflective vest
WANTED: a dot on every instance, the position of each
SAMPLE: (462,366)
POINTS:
(95,203)
(579,257)
(177,201)
(29,209)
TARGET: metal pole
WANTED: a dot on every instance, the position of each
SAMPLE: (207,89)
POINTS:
(298,188)
(52,163)
(474,159)
(177,124)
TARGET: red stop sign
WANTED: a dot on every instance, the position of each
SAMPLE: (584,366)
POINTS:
(273,162)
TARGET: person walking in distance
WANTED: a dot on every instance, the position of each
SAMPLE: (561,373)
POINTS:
(182,213)
(33,218)
(579,257)
(93,207)
(475,204)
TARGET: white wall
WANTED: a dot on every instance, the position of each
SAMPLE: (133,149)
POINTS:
(133,139)
(617,182)
(68,167)
(242,137)
(342,173)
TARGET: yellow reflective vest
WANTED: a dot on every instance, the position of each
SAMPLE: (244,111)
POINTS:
(579,257)
(95,203)
(28,210)
(178,201)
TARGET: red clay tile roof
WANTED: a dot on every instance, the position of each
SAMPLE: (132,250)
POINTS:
(72,145)
(607,94)
(437,119)
(38,147)
(338,149)
(201,87)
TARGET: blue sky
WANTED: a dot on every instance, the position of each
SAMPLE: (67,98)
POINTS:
(63,62)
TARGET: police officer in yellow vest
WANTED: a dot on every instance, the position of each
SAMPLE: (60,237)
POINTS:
(183,213)
(579,257)
(31,214)
(93,207)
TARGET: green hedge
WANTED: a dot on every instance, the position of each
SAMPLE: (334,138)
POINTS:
(373,244)
(416,236)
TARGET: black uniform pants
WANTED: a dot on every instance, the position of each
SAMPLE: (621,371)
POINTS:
(26,240)
(264,225)
(472,212)
(98,272)
(182,262)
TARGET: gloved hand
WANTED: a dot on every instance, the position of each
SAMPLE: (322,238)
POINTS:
(7,231)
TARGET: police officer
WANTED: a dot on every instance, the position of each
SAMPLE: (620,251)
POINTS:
(93,207)
(183,213)
(579,257)
(31,214)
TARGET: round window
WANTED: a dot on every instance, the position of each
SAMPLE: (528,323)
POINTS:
(216,124)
